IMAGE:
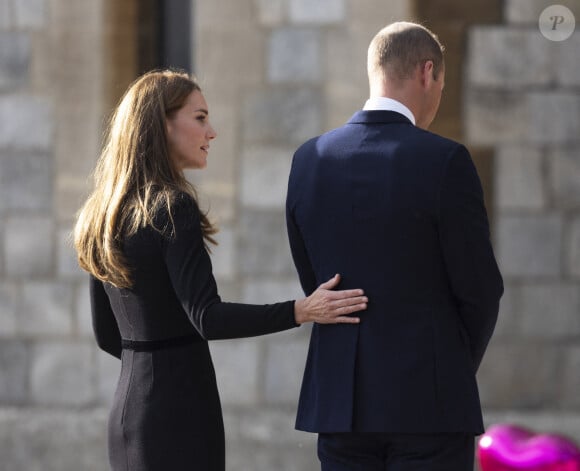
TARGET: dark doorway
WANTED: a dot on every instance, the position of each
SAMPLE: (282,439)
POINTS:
(451,20)
(164,34)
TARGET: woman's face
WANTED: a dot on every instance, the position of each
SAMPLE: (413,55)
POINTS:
(189,133)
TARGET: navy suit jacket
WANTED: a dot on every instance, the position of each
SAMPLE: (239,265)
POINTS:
(399,212)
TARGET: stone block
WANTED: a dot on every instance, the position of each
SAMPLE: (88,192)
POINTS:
(519,375)
(14,60)
(229,290)
(8,299)
(6,16)
(31,13)
(67,265)
(342,101)
(363,13)
(570,381)
(45,308)
(351,42)
(519,178)
(285,362)
(25,180)
(269,427)
(62,374)
(82,302)
(573,248)
(553,117)
(263,458)
(264,176)
(319,12)
(508,321)
(41,440)
(223,13)
(27,123)
(244,457)
(28,246)
(566,64)
(529,246)
(538,117)
(295,56)
(237,370)
(550,310)
(528,11)
(565,176)
(264,248)
(108,370)
(509,59)
(495,117)
(223,256)
(70,192)
(241,61)
(14,359)
(281,116)
(346,83)
(271,13)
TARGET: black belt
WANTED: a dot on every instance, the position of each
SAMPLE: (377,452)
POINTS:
(152,345)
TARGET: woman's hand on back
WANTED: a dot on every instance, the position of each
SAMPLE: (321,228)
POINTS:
(326,306)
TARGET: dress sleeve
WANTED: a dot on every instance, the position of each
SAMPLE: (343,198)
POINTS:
(465,239)
(190,271)
(104,322)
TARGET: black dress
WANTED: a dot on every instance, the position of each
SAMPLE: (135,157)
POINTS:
(166,413)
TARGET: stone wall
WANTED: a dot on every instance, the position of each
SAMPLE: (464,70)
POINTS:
(523,102)
(54,387)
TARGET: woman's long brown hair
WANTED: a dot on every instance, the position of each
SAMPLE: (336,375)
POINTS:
(134,177)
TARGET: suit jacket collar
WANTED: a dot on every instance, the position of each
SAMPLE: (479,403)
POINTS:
(378,117)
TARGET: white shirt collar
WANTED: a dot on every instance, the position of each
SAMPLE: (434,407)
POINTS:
(388,104)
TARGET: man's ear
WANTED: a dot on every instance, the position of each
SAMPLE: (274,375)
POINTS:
(427,73)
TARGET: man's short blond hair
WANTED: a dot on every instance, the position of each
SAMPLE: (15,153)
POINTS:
(398,48)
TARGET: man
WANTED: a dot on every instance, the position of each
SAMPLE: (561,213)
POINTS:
(399,212)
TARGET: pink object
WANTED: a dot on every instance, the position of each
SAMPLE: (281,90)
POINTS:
(507,447)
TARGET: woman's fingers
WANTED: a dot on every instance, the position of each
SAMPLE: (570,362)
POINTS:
(349,301)
(345,294)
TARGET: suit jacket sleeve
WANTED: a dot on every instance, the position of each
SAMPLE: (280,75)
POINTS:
(190,271)
(299,254)
(104,323)
(465,239)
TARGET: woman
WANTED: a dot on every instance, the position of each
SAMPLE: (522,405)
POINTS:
(143,239)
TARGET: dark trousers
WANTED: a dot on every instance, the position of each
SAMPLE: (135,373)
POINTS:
(395,452)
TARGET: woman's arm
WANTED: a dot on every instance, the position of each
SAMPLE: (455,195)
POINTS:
(190,270)
(104,323)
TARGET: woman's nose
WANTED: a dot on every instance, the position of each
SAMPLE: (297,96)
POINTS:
(212,134)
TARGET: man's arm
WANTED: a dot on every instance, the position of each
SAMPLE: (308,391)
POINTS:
(299,254)
(464,234)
